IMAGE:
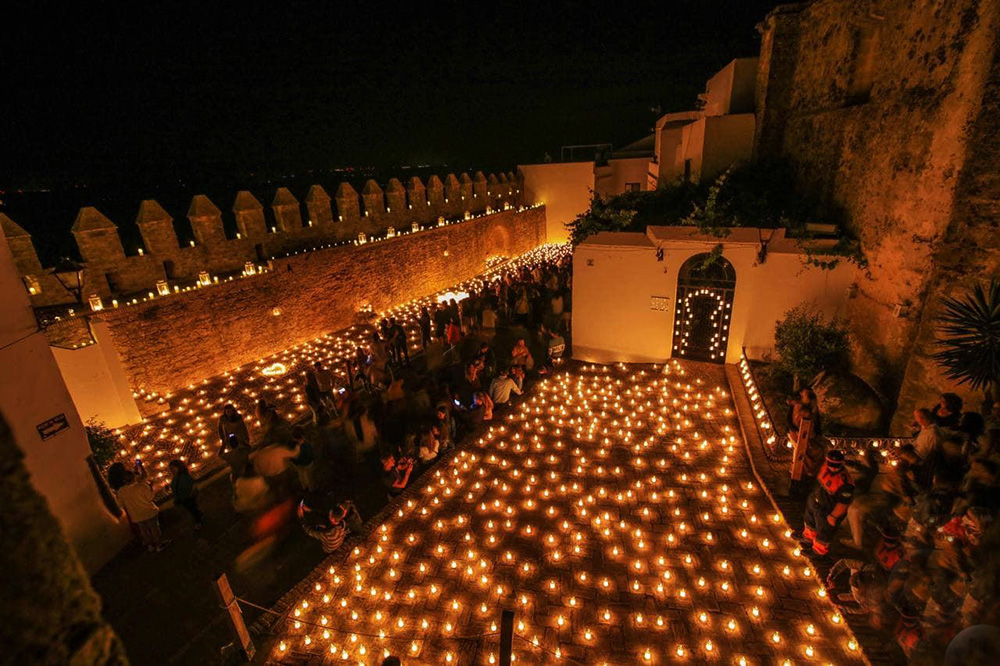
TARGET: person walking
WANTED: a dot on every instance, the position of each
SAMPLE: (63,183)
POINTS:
(304,460)
(827,505)
(185,491)
(275,429)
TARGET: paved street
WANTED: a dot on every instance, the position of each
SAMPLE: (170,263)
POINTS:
(615,511)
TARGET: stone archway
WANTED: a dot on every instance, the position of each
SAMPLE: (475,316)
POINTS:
(704,308)
(497,241)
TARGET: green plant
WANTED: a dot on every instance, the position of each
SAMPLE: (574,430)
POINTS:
(601,216)
(103,442)
(807,345)
(969,352)
(763,194)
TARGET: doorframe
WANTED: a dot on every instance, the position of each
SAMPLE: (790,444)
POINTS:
(715,281)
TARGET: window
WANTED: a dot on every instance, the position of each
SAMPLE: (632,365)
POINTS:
(631,187)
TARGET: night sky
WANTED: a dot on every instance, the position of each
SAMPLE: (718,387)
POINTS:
(126,98)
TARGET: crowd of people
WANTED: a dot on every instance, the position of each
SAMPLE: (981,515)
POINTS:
(421,383)
(923,534)
(923,528)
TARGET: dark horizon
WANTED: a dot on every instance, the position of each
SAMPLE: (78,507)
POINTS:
(123,93)
(121,103)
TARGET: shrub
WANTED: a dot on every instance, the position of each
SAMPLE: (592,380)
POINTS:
(103,442)
(807,345)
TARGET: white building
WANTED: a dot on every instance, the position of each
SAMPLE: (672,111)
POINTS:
(696,145)
(47,427)
(691,145)
(647,297)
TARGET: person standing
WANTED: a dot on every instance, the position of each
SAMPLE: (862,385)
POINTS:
(185,491)
(927,438)
(400,342)
(440,320)
(314,398)
(379,359)
(326,383)
(235,440)
(136,498)
(425,327)
(232,429)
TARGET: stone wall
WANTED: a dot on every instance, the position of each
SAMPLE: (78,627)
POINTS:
(112,272)
(969,252)
(169,342)
(875,103)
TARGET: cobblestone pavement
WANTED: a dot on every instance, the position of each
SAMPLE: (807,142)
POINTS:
(614,511)
(186,426)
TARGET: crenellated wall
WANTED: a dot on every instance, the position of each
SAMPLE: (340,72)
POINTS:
(112,273)
(166,343)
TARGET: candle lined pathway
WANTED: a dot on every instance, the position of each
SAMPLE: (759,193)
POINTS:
(614,510)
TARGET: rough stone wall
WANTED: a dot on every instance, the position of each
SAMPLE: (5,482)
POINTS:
(873,101)
(167,343)
(49,614)
(968,253)
(112,273)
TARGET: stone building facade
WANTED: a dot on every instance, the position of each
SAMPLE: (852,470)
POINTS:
(888,110)
(111,271)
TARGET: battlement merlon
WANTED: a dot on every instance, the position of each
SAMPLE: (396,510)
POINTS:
(21,247)
(249,215)
(111,271)
(287,212)
(206,221)
(318,206)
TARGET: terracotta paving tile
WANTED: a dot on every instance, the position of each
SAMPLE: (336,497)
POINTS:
(614,511)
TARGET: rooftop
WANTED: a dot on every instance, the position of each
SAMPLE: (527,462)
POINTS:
(619,239)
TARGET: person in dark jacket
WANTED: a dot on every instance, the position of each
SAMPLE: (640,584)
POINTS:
(185,492)
(425,327)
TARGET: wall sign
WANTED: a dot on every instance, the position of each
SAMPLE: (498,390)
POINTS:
(659,303)
(52,427)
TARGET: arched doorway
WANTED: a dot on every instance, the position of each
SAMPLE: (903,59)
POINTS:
(704,308)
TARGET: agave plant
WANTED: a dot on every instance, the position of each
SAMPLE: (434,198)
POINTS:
(969,349)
